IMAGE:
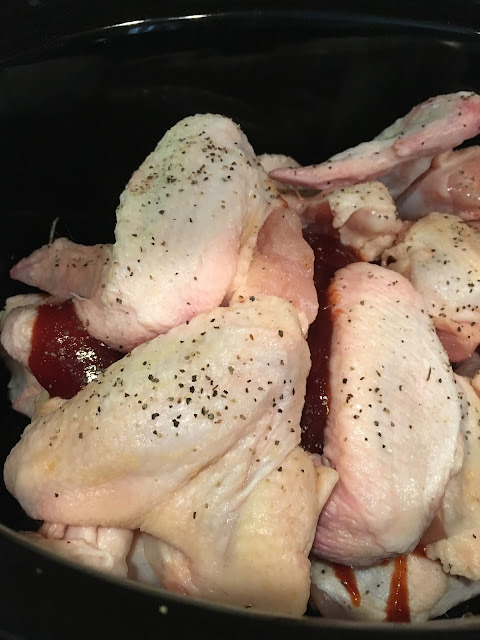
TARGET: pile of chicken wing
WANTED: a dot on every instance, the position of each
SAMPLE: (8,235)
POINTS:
(173,378)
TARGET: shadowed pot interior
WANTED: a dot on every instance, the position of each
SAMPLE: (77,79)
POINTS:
(80,112)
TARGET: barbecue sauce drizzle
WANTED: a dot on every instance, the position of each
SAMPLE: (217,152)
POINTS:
(330,255)
(64,356)
(397,609)
(346,575)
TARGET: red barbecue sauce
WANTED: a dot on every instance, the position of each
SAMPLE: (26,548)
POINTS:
(420,550)
(64,356)
(346,576)
(330,255)
(397,609)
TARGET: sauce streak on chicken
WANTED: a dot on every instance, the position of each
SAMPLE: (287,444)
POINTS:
(397,609)
(330,255)
(64,356)
(346,575)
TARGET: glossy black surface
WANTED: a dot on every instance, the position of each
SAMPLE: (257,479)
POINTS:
(79,114)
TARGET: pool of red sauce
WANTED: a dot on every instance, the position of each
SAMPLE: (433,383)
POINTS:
(64,356)
(330,255)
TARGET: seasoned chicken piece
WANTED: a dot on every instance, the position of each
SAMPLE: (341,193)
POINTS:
(282,265)
(114,551)
(261,560)
(439,255)
(452,185)
(364,215)
(407,588)
(64,268)
(459,550)
(391,387)
(198,418)
(434,126)
(187,224)
(366,218)
(276,520)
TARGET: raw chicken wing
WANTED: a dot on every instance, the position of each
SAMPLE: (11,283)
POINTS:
(393,422)
(175,439)
(439,254)
(64,268)
(187,224)
(434,126)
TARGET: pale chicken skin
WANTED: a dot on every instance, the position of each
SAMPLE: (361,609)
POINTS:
(102,548)
(439,255)
(223,563)
(459,550)
(213,408)
(399,179)
(271,161)
(64,268)
(366,218)
(434,126)
(260,559)
(364,215)
(187,224)
(452,185)
(391,387)
(282,265)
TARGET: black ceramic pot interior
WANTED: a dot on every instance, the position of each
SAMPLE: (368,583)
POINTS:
(80,114)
